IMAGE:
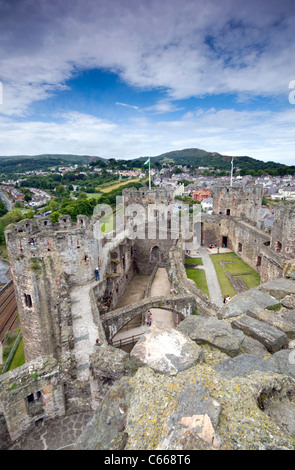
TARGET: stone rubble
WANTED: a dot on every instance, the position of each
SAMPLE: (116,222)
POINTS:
(219,397)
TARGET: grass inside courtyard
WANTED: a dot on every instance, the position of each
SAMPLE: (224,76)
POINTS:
(193,261)
(199,277)
(238,268)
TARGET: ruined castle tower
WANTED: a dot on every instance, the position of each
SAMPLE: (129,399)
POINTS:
(283,231)
(148,213)
(237,201)
(46,259)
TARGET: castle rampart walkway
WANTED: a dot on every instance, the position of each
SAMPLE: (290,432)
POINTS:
(84,329)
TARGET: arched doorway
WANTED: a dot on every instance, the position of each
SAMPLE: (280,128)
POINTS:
(155,254)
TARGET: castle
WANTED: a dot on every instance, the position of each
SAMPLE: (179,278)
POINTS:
(67,315)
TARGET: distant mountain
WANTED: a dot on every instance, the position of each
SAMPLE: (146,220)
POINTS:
(55,156)
(194,157)
(198,157)
(21,163)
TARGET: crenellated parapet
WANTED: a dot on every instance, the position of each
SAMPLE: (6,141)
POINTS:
(148,196)
(44,224)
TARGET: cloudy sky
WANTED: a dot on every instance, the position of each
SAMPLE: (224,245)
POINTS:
(129,78)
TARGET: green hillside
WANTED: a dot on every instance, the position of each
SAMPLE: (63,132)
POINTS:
(198,157)
(194,157)
(22,163)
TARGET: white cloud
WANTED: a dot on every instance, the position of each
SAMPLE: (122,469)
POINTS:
(126,105)
(189,48)
(184,48)
(262,135)
(163,106)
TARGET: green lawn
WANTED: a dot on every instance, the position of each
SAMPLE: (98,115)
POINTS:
(199,277)
(19,356)
(93,195)
(193,261)
(238,267)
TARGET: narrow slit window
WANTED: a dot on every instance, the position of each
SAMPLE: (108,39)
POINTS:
(28,300)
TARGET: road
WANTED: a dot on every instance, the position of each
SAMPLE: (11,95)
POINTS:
(6,201)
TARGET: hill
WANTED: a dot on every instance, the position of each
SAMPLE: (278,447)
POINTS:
(198,157)
(22,163)
(194,157)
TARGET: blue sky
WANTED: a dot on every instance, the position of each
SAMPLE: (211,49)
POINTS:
(127,79)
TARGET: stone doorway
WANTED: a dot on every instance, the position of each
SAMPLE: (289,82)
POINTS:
(155,254)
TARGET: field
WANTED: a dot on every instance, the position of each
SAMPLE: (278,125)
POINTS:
(107,187)
(235,266)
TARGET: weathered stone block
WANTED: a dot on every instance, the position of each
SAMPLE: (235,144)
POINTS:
(252,346)
(288,301)
(272,338)
(112,363)
(285,362)
(217,333)
(195,419)
(289,316)
(274,320)
(243,365)
(278,288)
(245,301)
(166,350)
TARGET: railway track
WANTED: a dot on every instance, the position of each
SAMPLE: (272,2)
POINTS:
(8,310)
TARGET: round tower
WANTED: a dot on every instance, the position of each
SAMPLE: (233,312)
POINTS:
(46,260)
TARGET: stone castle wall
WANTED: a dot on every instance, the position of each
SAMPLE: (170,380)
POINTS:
(46,260)
(33,393)
(235,222)
(243,202)
(283,231)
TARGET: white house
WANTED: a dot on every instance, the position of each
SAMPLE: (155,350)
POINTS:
(207,204)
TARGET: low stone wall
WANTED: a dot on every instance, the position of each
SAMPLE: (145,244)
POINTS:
(272,264)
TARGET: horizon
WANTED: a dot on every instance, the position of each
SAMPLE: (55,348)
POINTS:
(127,81)
(131,158)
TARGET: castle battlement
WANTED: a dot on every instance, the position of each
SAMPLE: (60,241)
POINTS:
(45,224)
(148,196)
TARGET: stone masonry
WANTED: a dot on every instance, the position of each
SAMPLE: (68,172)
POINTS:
(68,317)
